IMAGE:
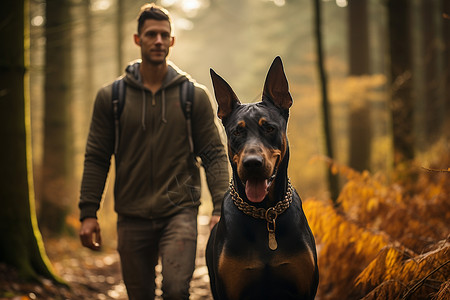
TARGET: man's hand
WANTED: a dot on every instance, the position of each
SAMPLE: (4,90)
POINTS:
(90,234)
(213,221)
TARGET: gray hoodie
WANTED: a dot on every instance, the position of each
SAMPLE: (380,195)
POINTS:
(156,176)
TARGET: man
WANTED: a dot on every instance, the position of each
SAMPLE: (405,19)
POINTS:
(157,186)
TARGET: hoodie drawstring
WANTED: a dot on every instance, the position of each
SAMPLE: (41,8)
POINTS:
(163,104)
(144,109)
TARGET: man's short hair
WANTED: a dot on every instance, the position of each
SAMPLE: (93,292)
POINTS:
(151,11)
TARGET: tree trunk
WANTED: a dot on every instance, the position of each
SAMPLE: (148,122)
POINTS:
(20,240)
(401,102)
(446,58)
(333,181)
(360,126)
(57,192)
(433,120)
(89,93)
(358,37)
(120,36)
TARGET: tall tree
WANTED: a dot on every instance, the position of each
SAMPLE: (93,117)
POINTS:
(57,191)
(20,240)
(358,32)
(446,56)
(88,52)
(333,181)
(120,10)
(431,53)
(359,64)
(401,102)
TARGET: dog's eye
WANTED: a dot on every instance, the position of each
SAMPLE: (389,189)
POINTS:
(268,128)
(237,131)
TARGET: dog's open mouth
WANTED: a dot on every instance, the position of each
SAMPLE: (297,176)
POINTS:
(256,189)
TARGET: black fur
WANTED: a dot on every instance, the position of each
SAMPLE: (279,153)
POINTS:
(241,265)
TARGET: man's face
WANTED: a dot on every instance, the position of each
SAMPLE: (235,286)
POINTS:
(155,41)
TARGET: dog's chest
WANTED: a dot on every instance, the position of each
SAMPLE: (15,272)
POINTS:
(242,273)
(246,259)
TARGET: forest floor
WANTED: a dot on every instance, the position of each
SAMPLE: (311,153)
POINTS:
(94,275)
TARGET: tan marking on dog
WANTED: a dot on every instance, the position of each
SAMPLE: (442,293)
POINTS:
(237,273)
(298,268)
(275,158)
(283,147)
(237,158)
(262,121)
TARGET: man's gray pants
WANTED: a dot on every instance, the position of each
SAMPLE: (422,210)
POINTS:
(141,242)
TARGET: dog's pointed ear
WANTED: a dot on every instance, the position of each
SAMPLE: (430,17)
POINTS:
(276,87)
(225,96)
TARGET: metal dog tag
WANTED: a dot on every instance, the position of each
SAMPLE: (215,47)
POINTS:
(273,245)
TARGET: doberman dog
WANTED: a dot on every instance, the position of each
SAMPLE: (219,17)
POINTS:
(262,247)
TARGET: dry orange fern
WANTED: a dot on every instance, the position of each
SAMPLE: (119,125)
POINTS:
(400,274)
(376,231)
(444,291)
(344,249)
(415,214)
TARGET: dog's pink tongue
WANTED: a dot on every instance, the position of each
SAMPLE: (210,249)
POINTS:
(256,190)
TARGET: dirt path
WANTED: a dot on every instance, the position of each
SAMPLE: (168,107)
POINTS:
(95,275)
(100,273)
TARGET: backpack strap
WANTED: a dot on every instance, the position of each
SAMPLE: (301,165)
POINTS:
(186,101)
(118,100)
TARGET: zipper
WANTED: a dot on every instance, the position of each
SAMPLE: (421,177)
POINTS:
(152,146)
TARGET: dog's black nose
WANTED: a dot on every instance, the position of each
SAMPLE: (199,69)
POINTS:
(252,162)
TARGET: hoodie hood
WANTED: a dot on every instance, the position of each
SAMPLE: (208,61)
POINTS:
(174,76)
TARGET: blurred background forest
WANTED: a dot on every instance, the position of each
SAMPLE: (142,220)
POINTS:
(387,71)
